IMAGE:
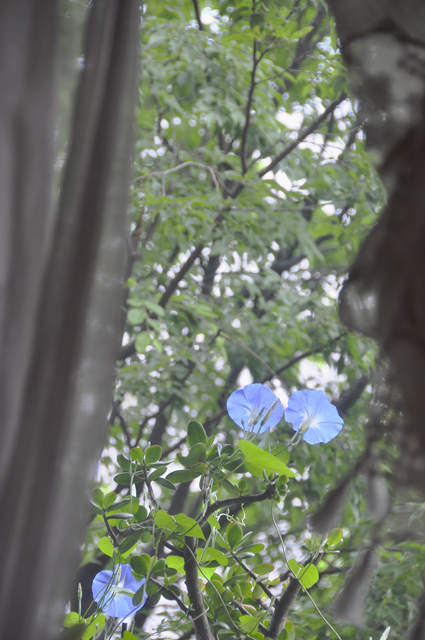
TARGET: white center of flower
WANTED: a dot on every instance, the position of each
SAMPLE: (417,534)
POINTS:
(308,421)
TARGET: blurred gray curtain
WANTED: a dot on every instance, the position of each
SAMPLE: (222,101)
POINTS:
(61,270)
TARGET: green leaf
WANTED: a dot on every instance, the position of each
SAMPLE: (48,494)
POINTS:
(97,497)
(141,514)
(143,340)
(263,569)
(196,433)
(158,567)
(129,636)
(234,534)
(137,454)
(156,308)
(175,562)
(184,475)
(123,478)
(71,619)
(139,596)
(196,454)
(140,565)
(257,460)
(153,454)
(165,483)
(129,543)
(110,499)
(335,537)
(213,522)
(214,554)
(98,621)
(123,462)
(252,548)
(188,526)
(164,521)
(249,623)
(290,629)
(136,316)
(230,488)
(106,546)
(308,575)
(283,456)
(116,506)
(157,473)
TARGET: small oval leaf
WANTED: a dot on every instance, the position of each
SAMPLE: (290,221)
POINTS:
(196,433)
(153,454)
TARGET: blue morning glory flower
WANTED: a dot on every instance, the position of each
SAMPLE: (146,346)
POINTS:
(255,408)
(106,590)
(312,415)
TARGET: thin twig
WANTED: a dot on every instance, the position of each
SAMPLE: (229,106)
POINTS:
(165,404)
(111,532)
(242,609)
(171,594)
(199,614)
(251,352)
(294,144)
(187,635)
(245,567)
(123,423)
(182,166)
(303,135)
(248,108)
(239,500)
(198,15)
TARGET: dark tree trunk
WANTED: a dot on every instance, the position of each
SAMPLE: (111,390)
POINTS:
(60,294)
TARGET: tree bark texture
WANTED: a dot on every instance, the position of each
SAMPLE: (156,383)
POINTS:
(383,42)
(60,292)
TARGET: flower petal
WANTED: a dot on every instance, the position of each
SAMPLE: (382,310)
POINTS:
(239,409)
(311,409)
(116,605)
(253,402)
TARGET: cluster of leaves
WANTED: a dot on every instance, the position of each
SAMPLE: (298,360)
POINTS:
(251,194)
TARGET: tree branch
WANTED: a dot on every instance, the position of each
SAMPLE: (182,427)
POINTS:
(239,500)
(284,265)
(181,274)
(127,350)
(250,351)
(282,608)
(305,44)
(242,609)
(171,594)
(199,615)
(198,15)
(290,147)
(248,108)
(245,567)
(303,135)
(189,163)
(187,635)
(285,602)
(123,424)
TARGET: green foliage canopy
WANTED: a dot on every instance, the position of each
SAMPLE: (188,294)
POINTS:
(251,194)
